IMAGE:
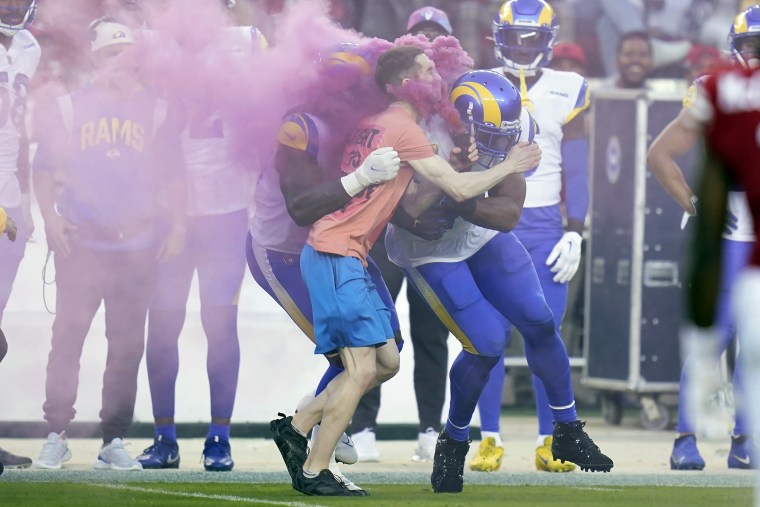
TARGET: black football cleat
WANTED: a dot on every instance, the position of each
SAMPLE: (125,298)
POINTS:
(448,464)
(571,443)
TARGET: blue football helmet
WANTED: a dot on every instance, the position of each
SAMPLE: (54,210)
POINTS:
(524,32)
(489,106)
(746,29)
(15,18)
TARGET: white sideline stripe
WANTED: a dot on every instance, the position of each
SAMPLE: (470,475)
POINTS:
(229,498)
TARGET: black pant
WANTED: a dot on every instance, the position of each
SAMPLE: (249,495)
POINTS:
(431,352)
(124,282)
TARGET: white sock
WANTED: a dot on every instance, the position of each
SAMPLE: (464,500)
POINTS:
(493,434)
(309,475)
(541,438)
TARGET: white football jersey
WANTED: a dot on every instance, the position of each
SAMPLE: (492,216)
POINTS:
(461,242)
(217,182)
(557,97)
(18,65)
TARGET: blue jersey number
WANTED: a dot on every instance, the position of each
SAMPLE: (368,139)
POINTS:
(13,106)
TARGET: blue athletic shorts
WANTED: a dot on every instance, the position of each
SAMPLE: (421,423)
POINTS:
(279,274)
(347,308)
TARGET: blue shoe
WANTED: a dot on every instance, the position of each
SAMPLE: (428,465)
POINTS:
(162,454)
(685,455)
(740,455)
(216,455)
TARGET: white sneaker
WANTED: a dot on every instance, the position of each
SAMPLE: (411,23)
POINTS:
(366,445)
(113,456)
(54,453)
(345,451)
(425,446)
(342,478)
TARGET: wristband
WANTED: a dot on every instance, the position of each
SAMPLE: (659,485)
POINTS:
(351,184)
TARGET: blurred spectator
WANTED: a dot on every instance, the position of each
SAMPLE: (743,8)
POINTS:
(701,60)
(116,143)
(599,25)
(569,56)
(430,22)
(634,61)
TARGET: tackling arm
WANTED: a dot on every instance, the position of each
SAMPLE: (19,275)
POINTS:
(502,208)
(307,197)
(464,186)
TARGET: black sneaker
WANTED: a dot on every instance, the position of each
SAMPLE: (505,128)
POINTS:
(448,464)
(324,484)
(9,460)
(292,445)
(571,443)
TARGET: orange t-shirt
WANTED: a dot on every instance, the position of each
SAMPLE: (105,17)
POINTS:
(352,230)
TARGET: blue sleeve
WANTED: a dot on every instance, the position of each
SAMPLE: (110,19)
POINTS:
(575,168)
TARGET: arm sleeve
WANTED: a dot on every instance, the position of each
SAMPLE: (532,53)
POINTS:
(575,168)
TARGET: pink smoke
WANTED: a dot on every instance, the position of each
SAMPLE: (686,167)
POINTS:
(451,61)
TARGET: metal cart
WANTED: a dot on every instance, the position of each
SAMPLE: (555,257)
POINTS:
(635,262)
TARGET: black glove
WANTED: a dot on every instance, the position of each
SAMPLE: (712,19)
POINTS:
(431,225)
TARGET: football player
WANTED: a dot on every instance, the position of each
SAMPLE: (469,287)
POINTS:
(19,58)
(524,32)
(738,241)
(478,277)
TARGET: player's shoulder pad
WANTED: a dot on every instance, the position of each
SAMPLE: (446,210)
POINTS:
(574,87)
(28,41)
(300,131)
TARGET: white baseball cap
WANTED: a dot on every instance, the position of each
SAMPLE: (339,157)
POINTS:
(106,32)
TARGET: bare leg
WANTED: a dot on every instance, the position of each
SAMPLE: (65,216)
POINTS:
(388,361)
(359,375)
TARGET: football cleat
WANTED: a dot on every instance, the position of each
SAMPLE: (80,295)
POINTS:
(162,454)
(217,455)
(545,462)
(742,450)
(488,458)
(571,443)
(448,464)
(685,455)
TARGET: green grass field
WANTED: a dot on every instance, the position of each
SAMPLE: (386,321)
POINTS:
(42,494)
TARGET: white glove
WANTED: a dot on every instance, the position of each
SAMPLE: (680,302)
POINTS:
(566,257)
(380,166)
